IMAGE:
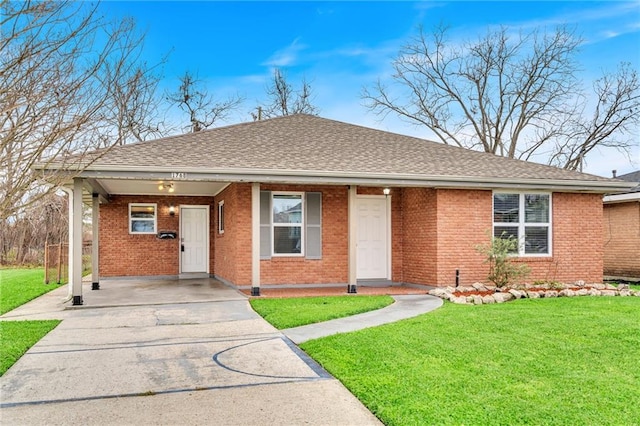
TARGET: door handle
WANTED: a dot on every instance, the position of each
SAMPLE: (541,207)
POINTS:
(181,247)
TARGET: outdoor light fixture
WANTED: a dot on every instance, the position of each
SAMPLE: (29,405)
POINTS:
(168,186)
(386,191)
(172,210)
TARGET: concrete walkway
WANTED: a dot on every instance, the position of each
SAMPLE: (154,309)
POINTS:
(406,306)
(194,362)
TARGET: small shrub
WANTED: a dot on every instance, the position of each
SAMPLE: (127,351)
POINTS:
(497,253)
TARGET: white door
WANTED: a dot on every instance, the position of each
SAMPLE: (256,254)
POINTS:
(194,239)
(373,245)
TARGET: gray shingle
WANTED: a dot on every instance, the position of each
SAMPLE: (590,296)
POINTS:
(310,144)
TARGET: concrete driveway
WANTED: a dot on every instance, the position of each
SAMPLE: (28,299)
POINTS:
(142,360)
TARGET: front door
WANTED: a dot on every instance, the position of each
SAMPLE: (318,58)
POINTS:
(373,239)
(194,239)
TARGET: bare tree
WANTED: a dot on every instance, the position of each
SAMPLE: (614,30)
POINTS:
(512,95)
(283,99)
(23,239)
(62,67)
(203,109)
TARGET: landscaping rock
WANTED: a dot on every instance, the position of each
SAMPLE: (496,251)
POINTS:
(468,294)
(488,300)
(440,292)
(566,293)
(503,297)
(517,294)
(479,287)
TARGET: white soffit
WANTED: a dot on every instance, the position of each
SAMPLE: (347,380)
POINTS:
(150,187)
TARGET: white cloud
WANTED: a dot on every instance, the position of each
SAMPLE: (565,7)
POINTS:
(287,56)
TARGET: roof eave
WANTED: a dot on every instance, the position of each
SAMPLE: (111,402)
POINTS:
(348,178)
(622,198)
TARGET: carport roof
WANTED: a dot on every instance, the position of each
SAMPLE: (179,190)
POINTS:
(308,148)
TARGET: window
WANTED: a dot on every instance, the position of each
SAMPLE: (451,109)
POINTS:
(287,218)
(290,224)
(527,218)
(142,218)
(221,217)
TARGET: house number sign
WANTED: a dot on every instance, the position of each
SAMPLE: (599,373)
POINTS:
(178,175)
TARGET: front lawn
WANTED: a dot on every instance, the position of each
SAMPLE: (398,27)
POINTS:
(18,286)
(294,312)
(563,361)
(16,337)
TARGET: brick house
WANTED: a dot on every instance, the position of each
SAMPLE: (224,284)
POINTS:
(303,200)
(622,232)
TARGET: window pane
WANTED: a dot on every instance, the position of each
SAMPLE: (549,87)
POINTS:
(505,232)
(536,239)
(142,226)
(287,239)
(536,208)
(287,209)
(506,207)
(140,212)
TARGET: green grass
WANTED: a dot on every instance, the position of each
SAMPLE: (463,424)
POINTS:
(16,337)
(294,312)
(564,361)
(18,286)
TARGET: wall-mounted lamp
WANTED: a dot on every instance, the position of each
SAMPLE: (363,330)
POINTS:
(386,191)
(172,210)
(168,186)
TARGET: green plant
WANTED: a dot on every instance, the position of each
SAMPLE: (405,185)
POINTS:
(498,254)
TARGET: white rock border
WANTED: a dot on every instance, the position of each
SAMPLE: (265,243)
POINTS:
(529,291)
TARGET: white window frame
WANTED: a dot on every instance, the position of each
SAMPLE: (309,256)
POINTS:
(301,225)
(154,219)
(522,225)
(221,217)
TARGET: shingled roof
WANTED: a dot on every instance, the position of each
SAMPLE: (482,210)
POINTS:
(306,146)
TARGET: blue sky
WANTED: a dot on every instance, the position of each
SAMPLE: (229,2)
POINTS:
(340,47)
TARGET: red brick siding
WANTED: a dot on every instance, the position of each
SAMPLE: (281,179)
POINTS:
(464,221)
(419,235)
(233,248)
(124,254)
(622,239)
(577,240)
(464,217)
(333,267)
(434,232)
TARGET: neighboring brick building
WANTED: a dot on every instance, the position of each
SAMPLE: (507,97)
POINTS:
(622,232)
(302,200)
